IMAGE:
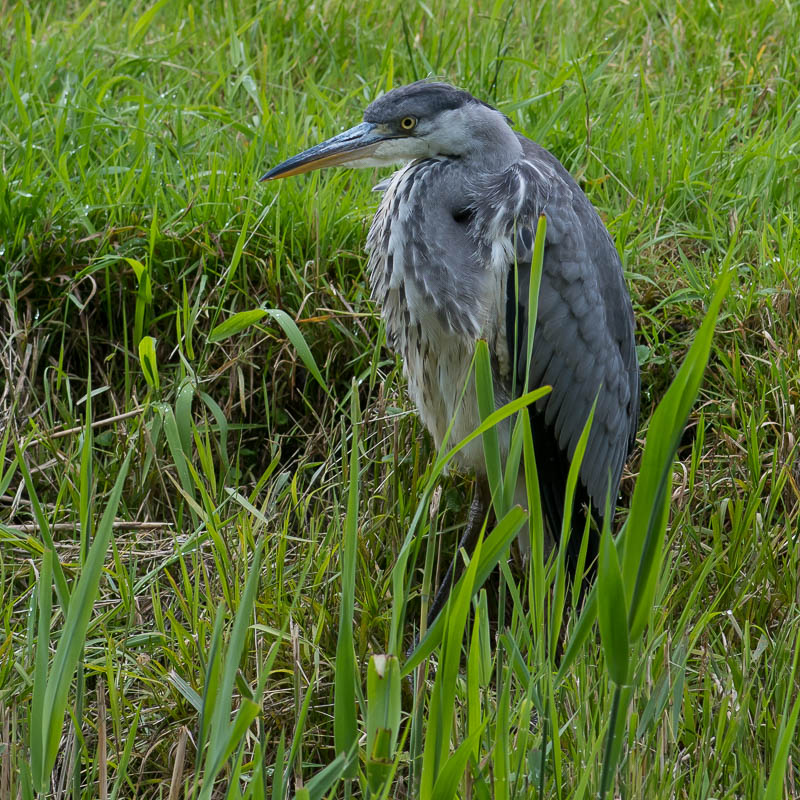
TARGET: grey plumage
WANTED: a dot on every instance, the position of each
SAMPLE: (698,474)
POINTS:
(451,226)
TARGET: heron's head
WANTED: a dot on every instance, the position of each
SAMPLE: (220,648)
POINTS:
(421,120)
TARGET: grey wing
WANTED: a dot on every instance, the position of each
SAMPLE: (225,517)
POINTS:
(583,341)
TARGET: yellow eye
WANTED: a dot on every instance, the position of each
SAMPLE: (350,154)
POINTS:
(408,123)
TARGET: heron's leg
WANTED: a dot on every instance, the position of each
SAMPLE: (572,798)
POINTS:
(477,513)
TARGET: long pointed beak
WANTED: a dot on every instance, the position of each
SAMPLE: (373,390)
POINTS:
(347,148)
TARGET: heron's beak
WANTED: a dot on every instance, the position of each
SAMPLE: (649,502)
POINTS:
(349,147)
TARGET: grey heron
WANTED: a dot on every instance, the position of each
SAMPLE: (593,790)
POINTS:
(452,226)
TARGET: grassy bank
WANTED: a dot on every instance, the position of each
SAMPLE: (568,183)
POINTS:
(132,227)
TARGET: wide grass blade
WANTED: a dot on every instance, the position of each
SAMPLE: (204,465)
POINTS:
(494,548)
(399,571)
(484,390)
(345,727)
(38,729)
(318,786)
(52,708)
(644,531)
(236,324)
(452,773)
(612,610)
(442,703)
(224,736)
(383,717)
(299,343)
(149,362)
(62,592)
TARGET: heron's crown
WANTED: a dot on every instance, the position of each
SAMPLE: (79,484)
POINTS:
(421,99)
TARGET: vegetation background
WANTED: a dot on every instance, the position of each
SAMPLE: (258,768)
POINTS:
(133,229)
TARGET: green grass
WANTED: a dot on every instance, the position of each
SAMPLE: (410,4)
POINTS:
(132,229)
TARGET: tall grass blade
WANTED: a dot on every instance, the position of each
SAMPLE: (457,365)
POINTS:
(644,532)
(494,548)
(345,727)
(452,772)
(484,390)
(782,756)
(225,736)
(442,704)
(38,722)
(62,592)
(73,634)
(612,611)
(383,717)
(325,779)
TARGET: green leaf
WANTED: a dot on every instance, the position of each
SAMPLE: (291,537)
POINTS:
(299,343)
(484,390)
(493,549)
(147,358)
(38,723)
(786,738)
(235,324)
(442,704)
(183,416)
(139,269)
(452,772)
(612,611)
(62,591)
(143,23)
(383,716)
(319,785)
(775,785)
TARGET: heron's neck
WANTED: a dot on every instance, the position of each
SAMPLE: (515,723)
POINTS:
(482,139)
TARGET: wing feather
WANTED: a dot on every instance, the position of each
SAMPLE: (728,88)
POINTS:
(584,337)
